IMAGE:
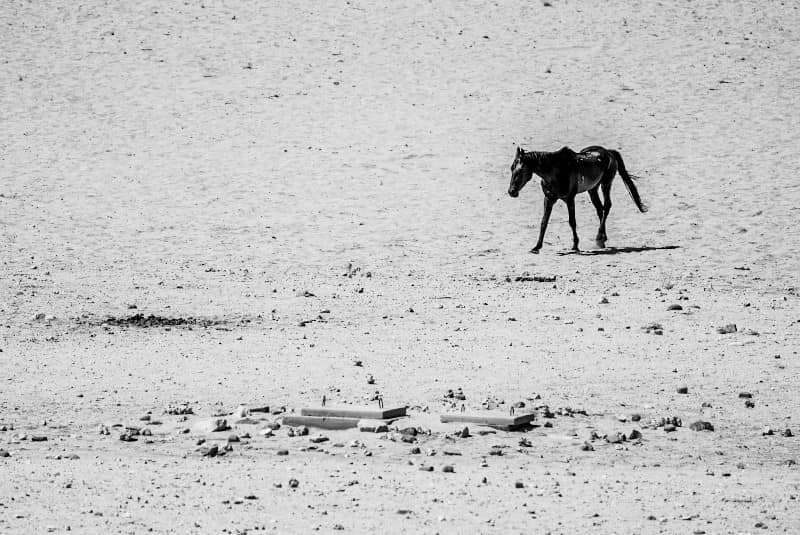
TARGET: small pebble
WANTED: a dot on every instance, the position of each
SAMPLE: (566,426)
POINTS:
(293,483)
(683,390)
(448,469)
(519,485)
(283,452)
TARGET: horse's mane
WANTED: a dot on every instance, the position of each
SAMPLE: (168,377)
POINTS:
(548,160)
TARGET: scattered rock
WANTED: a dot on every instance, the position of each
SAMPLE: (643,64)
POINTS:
(701,425)
(519,485)
(636,417)
(318,439)
(212,451)
(675,307)
(635,435)
(464,433)
(104,430)
(767,431)
(727,329)
(38,438)
(586,446)
(293,483)
(448,468)
(373,426)
(128,436)
(283,452)
(604,301)
(655,328)
(525,443)
(234,438)
(745,395)
(749,403)
(4,453)
(669,428)
(683,390)
(615,438)
(211,425)
(458,394)
(415,451)
(787,433)
(426,468)
(241,412)
(179,410)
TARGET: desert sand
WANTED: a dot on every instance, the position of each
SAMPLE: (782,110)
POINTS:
(299,186)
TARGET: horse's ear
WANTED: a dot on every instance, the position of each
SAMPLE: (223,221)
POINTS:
(519,150)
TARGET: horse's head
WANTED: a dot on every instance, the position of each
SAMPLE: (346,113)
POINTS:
(521,173)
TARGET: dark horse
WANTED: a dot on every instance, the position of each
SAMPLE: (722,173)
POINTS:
(566,173)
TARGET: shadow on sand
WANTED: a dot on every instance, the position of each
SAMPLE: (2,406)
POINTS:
(617,250)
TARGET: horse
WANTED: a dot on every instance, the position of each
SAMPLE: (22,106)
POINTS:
(564,174)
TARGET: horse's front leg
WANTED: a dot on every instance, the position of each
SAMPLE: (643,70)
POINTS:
(572,223)
(548,208)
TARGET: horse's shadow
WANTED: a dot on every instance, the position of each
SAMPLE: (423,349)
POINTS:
(618,250)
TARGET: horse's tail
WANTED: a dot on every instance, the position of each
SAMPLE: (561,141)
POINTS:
(629,181)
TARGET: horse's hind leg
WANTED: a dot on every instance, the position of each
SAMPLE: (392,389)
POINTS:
(601,234)
(548,208)
(572,223)
(598,206)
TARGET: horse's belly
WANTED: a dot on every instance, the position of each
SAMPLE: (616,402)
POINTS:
(585,183)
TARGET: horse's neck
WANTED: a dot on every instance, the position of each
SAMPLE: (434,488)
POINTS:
(540,162)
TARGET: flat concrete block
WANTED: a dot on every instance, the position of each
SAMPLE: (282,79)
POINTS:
(321,422)
(365,413)
(498,420)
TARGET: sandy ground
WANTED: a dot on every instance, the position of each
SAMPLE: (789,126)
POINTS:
(347,163)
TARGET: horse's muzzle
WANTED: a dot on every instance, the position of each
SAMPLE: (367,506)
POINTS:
(513,193)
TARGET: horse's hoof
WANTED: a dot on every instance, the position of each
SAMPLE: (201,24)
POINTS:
(535,250)
(600,243)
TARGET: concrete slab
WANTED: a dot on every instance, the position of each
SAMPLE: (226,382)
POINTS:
(496,420)
(355,411)
(321,422)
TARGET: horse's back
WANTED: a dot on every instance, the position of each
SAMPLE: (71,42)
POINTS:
(591,165)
